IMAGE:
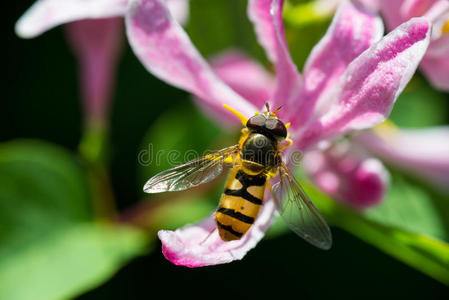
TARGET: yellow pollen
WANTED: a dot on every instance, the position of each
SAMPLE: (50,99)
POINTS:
(445,28)
(288,125)
(239,115)
(386,130)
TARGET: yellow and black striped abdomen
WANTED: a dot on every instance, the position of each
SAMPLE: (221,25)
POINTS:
(239,204)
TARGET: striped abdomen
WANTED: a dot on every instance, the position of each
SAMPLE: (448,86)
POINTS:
(239,204)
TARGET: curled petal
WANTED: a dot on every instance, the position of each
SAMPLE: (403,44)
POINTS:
(353,30)
(266,16)
(167,52)
(347,176)
(422,152)
(192,246)
(372,83)
(97,45)
(46,14)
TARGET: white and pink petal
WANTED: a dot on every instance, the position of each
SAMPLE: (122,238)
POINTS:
(422,152)
(347,175)
(372,83)
(199,245)
(353,30)
(245,76)
(97,44)
(167,52)
(46,14)
(266,16)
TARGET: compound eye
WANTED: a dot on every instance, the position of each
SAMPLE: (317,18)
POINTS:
(256,121)
(276,128)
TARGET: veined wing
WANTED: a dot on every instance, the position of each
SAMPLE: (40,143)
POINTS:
(192,173)
(299,212)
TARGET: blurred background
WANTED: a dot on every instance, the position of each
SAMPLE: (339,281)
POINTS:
(76,225)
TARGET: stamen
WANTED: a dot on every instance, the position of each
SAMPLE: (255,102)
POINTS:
(239,115)
(387,129)
(277,109)
(445,27)
(267,106)
(288,125)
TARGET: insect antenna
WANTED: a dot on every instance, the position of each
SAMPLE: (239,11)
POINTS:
(267,106)
(278,109)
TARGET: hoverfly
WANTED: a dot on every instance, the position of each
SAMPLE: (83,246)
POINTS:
(256,158)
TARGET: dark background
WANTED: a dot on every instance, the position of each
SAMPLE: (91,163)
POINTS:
(41,101)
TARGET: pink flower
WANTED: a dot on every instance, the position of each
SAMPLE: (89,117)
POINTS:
(97,45)
(435,64)
(350,82)
(95,32)
(421,152)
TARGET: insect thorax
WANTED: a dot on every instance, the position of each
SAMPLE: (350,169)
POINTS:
(259,152)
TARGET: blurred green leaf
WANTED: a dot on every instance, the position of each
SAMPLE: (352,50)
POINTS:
(304,28)
(218,25)
(421,251)
(50,248)
(305,13)
(411,207)
(420,105)
(67,261)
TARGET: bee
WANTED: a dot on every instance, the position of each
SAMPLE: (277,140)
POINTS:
(253,161)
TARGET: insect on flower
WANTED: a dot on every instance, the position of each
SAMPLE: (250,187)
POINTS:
(254,160)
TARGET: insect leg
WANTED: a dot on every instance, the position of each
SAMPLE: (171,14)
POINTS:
(208,236)
(288,144)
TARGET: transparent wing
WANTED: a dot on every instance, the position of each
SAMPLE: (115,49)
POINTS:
(190,174)
(299,212)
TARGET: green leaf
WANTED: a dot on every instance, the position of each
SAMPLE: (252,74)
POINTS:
(421,251)
(305,13)
(50,246)
(67,261)
(218,25)
(411,207)
(420,105)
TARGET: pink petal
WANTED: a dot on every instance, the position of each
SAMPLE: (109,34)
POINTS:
(391,12)
(415,8)
(372,6)
(46,14)
(435,64)
(353,30)
(438,12)
(347,176)
(422,152)
(190,246)
(267,18)
(97,45)
(245,76)
(398,11)
(372,83)
(179,10)
(167,52)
